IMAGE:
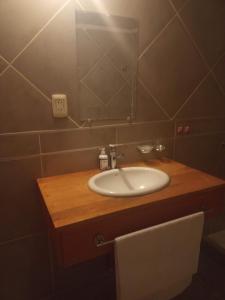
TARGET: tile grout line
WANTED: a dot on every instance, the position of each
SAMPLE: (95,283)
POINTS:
(40,150)
(4,59)
(97,147)
(6,69)
(54,131)
(116,135)
(134,98)
(189,34)
(198,51)
(182,6)
(218,83)
(155,99)
(174,148)
(214,75)
(92,68)
(67,151)
(41,30)
(75,150)
(2,73)
(210,72)
(116,94)
(204,118)
(7,65)
(92,92)
(106,54)
(98,61)
(209,69)
(192,93)
(117,69)
(21,157)
(162,30)
(218,61)
(82,80)
(156,38)
(10,64)
(101,57)
(24,237)
(216,132)
(79,4)
(31,84)
(39,91)
(73,121)
(31,41)
(147,48)
(174,138)
(112,123)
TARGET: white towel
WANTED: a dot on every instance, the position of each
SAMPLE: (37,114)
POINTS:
(157,263)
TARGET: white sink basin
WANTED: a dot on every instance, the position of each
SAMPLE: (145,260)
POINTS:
(132,181)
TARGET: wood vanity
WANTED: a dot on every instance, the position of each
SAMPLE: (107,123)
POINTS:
(75,214)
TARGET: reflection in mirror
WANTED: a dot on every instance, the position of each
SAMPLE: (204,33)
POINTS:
(107,62)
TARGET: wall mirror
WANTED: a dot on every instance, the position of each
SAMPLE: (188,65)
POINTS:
(107,48)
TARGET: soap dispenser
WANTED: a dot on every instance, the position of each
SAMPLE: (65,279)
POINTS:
(103,160)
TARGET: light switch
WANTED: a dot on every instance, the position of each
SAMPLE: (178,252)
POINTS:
(59,106)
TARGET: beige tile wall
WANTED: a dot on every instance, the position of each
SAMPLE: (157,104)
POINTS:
(181,82)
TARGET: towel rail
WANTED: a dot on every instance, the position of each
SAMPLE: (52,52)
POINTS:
(100,241)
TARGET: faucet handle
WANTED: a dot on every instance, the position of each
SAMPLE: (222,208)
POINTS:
(112,147)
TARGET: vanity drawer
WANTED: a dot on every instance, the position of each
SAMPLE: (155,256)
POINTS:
(77,242)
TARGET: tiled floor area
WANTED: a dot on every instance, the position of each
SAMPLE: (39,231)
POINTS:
(208,284)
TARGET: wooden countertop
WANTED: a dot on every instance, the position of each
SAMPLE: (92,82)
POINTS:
(69,200)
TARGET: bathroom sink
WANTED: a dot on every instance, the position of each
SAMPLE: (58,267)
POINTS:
(131,181)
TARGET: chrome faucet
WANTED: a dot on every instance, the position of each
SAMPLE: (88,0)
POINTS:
(114,156)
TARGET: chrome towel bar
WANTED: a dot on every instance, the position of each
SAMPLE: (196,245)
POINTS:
(100,241)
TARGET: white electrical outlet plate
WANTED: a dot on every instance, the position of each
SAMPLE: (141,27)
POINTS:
(59,106)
